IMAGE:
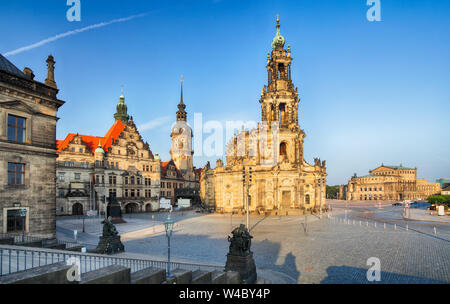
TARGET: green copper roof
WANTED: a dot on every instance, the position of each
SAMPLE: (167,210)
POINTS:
(278,40)
(122,109)
(99,149)
(398,167)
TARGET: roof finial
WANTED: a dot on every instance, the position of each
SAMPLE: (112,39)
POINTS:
(181,96)
(278,40)
(50,80)
(121,91)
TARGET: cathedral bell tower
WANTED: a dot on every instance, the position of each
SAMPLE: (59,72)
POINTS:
(279,99)
(181,151)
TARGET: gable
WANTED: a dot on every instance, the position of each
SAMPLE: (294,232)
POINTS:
(18,105)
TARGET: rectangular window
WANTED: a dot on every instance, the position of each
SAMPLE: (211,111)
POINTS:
(138,193)
(16,128)
(126,192)
(132,192)
(126,180)
(61,177)
(16,174)
(77,176)
(14,221)
(169,185)
(132,180)
(61,193)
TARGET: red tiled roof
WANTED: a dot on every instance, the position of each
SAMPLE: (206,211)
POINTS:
(92,141)
(164,168)
(114,133)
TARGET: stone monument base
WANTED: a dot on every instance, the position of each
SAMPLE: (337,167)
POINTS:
(109,245)
(245,265)
(117,220)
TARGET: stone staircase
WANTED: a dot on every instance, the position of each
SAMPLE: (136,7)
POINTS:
(116,274)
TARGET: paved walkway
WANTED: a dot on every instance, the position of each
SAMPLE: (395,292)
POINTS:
(425,216)
(307,249)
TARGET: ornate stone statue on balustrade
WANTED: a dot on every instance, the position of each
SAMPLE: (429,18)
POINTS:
(240,257)
(109,242)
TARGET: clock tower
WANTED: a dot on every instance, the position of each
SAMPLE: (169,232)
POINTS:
(181,151)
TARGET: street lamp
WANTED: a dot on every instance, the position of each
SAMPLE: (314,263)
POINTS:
(23,214)
(168,224)
(246,181)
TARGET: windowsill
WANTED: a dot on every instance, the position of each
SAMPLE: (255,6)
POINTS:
(16,186)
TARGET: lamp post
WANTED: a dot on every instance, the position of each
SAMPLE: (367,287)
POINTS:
(23,214)
(321,186)
(168,224)
(246,181)
(83,215)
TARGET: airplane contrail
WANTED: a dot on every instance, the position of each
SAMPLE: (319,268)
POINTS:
(70,33)
(154,123)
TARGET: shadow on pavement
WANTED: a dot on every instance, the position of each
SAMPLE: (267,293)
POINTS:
(353,275)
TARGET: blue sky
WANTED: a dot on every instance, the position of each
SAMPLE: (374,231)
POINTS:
(371,92)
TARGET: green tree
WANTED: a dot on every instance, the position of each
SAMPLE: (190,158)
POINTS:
(332,191)
(439,199)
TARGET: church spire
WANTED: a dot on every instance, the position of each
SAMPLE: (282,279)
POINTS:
(121,113)
(278,40)
(181,113)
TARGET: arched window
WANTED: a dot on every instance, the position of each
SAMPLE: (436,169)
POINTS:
(307,199)
(282,114)
(283,150)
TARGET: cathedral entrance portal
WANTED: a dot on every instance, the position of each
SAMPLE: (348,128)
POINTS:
(286,200)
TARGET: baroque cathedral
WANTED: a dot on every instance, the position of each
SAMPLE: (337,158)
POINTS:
(265,168)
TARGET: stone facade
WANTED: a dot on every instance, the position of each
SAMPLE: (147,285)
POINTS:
(28,110)
(265,166)
(388,183)
(91,169)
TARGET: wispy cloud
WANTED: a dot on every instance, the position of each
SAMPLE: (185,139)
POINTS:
(154,123)
(70,33)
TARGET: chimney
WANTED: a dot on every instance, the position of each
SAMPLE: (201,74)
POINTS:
(28,72)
